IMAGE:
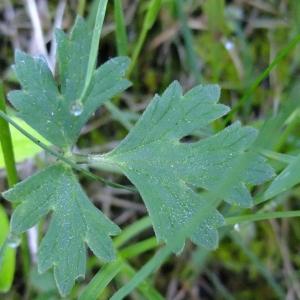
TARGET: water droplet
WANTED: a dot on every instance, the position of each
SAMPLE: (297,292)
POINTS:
(76,108)
(237,227)
(229,45)
(13,241)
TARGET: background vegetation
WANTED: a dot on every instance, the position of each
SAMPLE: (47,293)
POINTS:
(232,43)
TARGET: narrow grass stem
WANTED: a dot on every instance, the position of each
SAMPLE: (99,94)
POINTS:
(150,18)
(94,46)
(262,216)
(279,57)
(6,144)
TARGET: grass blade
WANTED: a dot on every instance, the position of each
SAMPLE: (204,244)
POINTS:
(121,35)
(6,144)
(192,59)
(279,57)
(96,287)
(7,255)
(145,288)
(101,280)
(262,269)
(143,273)
(150,18)
(94,45)
(132,230)
(262,216)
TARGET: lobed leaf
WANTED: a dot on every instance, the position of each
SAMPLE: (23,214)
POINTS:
(75,221)
(287,179)
(169,172)
(57,112)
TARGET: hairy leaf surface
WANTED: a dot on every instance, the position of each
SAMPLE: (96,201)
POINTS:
(55,111)
(169,172)
(74,222)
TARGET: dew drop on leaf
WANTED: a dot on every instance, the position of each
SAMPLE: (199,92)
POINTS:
(76,108)
(229,45)
(237,227)
(13,241)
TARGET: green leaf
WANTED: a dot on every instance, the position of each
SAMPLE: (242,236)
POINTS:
(59,113)
(288,178)
(7,267)
(75,221)
(24,148)
(169,172)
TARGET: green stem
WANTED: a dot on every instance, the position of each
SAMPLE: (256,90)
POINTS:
(12,176)
(8,154)
(284,158)
(94,46)
(81,7)
(121,36)
(102,279)
(288,130)
(109,271)
(191,55)
(63,158)
(262,216)
(279,57)
(131,231)
(139,248)
(147,290)
(280,293)
(6,144)
(2,250)
(141,275)
(220,287)
(150,18)
(102,163)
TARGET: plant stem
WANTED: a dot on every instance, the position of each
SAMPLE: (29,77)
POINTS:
(150,18)
(100,281)
(131,231)
(102,163)
(279,57)
(146,289)
(6,144)
(109,271)
(282,157)
(143,273)
(63,158)
(94,46)
(191,56)
(280,293)
(12,176)
(262,216)
(81,7)
(121,36)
